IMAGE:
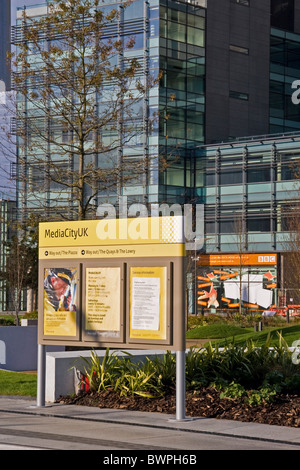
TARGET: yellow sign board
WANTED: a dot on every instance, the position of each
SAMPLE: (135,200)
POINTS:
(112,281)
(109,232)
(112,238)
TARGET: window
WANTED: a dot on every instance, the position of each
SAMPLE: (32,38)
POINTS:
(195,36)
(241,50)
(176,32)
(258,175)
(226,226)
(242,2)
(282,14)
(233,176)
(210,227)
(259,225)
(238,95)
(211,179)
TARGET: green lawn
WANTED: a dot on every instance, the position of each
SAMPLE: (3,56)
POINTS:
(216,331)
(18,383)
(223,333)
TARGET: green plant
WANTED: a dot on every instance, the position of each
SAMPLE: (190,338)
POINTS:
(233,390)
(165,370)
(7,321)
(247,370)
(263,395)
(102,374)
(137,379)
(33,314)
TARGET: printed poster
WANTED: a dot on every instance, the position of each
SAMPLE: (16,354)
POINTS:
(60,301)
(102,306)
(224,287)
(148,302)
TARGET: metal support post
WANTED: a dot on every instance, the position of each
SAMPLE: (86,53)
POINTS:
(41,375)
(180,385)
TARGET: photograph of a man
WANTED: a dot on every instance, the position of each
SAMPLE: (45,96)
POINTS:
(60,289)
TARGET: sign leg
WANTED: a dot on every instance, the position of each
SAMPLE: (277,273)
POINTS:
(41,375)
(180,385)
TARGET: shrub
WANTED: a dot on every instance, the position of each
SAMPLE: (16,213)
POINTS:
(255,373)
(7,321)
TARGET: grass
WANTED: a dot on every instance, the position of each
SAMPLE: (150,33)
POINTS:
(224,333)
(18,383)
(216,331)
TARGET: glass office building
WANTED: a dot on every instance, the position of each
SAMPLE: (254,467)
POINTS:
(251,188)
(169,37)
(284,70)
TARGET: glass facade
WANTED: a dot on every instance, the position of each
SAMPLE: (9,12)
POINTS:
(181,96)
(169,37)
(284,69)
(7,216)
(249,189)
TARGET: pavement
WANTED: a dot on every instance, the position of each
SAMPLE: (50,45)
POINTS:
(14,407)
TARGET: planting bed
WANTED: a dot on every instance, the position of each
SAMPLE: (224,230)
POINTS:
(284,411)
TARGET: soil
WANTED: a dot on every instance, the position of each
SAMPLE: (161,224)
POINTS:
(283,411)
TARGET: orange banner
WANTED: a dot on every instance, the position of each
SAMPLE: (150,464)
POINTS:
(208,284)
(250,259)
(250,305)
(229,276)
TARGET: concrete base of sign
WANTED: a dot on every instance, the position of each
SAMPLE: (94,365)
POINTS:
(183,420)
(60,373)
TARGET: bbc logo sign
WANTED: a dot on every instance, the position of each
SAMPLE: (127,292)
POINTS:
(267,259)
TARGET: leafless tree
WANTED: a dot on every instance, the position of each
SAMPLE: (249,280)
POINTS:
(80,99)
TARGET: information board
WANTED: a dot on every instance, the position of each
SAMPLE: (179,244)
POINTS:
(112,282)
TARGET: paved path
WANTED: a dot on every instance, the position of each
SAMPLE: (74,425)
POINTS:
(24,426)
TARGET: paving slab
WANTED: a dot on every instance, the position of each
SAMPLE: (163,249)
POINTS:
(208,426)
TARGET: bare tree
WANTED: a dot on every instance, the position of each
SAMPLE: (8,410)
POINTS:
(21,266)
(80,100)
(241,237)
(290,264)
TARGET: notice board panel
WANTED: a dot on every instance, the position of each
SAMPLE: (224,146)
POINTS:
(102,300)
(59,299)
(149,309)
(120,287)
